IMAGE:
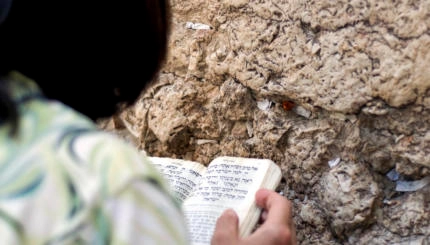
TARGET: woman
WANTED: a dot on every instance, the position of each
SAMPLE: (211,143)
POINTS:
(61,179)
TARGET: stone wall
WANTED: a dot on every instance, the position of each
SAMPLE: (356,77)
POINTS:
(304,83)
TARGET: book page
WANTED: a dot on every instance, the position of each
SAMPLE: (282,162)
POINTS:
(182,175)
(229,182)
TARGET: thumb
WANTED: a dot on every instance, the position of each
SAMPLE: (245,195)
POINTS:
(226,229)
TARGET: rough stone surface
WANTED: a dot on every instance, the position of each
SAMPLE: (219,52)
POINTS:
(303,82)
(348,196)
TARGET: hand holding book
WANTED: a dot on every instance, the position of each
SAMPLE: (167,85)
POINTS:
(227,183)
(277,227)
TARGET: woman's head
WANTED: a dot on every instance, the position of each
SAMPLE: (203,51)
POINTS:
(89,55)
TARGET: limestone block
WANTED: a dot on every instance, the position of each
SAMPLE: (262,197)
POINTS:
(356,76)
(348,197)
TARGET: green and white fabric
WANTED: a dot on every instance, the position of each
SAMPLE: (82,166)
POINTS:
(63,181)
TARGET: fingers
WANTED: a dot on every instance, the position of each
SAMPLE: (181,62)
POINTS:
(272,235)
(263,217)
(226,229)
(278,207)
(278,226)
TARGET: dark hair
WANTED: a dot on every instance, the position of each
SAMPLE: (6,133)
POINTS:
(90,55)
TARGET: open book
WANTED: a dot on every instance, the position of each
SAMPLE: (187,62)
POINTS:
(227,182)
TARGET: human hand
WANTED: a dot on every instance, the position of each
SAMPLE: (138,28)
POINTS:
(277,226)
